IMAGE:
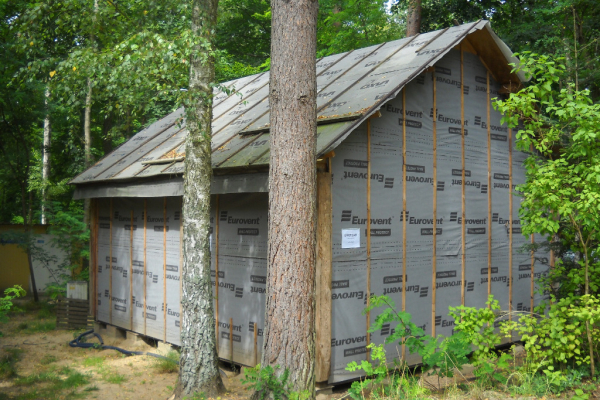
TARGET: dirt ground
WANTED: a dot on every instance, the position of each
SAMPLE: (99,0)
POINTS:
(44,352)
(36,362)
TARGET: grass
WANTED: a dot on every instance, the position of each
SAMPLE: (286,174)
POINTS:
(8,361)
(36,327)
(169,364)
(48,359)
(55,383)
(93,361)
(114,378)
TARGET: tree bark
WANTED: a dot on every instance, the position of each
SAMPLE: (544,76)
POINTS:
(198,366)
(290,308)
(87,117)
(413,18)
(26,211)
(46,157)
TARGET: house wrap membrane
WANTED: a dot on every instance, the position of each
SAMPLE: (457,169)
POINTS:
(139,263)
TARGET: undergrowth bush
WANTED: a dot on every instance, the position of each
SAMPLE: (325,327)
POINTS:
(549,341)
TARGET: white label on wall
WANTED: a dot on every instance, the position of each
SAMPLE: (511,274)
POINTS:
(350,238)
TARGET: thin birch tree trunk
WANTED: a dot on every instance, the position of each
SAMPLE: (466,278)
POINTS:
(46,158)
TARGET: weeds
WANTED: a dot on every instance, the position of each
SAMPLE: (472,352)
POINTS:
(93,362)
(36,327)
(169,364)
(48,359)
(267,383)
(114,378)
(8,363)
(58,381)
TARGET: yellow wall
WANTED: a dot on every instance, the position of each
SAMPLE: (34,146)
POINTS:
(14,268)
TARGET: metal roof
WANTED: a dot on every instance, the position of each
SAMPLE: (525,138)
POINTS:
(350,87)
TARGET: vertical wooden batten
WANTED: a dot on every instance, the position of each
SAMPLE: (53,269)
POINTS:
(131,305)
(404,213)
(165,267)
(368,291)
(255,345)
(110,263)
(323,273)
(145,268)
(510,227)
(532,289)
(434,245)
(217,272)
(463,257)
(489,183)
(231,338)
(181,265)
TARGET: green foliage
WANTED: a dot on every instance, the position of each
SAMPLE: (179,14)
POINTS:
(93,361)
(562,193)
(8,362)
(265,382)
(379,372)
(71,235)
(561,199)
(6,302)
(55,382)
(167,365)
(29,328)
(440,355)
(560,337)
(400,384)
(48,359)
(352,24)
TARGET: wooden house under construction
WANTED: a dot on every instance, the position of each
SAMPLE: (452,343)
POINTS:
(416,179)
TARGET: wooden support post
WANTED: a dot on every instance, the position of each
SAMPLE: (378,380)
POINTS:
(368,291)
(110,263)
(231,338)
(256,345)
(165,268)
(463,257)
(145,269)
(323,273)
(217,272)
(489,182)
(131,305)
(404,212)
(434,245)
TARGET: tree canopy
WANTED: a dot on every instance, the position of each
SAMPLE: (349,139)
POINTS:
(136,55)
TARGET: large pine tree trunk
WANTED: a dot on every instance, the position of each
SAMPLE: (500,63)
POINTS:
(290,308)
(87,121)
(198,367)
(413,19)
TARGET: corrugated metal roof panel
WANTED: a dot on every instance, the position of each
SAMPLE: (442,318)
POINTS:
(350,85)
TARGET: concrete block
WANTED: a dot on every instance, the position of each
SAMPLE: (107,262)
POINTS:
(323,389)
(99,327)
(163,348)
(134,337)
(115,332)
